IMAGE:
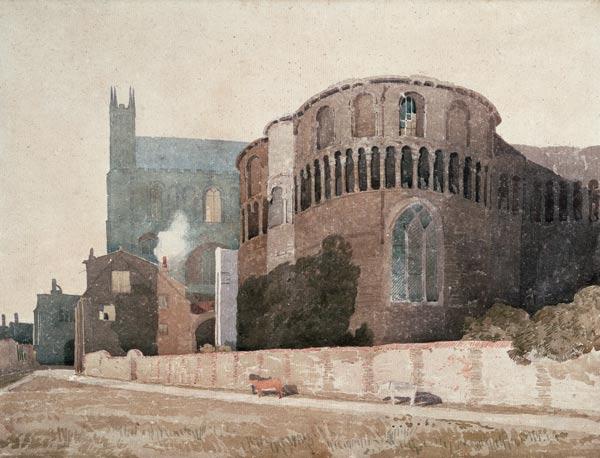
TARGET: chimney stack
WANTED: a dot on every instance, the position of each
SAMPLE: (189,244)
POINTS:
(53,285)
(16,318)
(3,320)
(164,263)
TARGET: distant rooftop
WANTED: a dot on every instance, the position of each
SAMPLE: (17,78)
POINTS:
(187,153)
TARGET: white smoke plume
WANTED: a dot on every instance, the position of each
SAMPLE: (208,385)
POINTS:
(173,243)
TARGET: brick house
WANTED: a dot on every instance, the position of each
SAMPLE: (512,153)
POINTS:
(132,303)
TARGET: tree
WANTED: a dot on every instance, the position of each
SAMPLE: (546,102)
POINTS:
(308,304)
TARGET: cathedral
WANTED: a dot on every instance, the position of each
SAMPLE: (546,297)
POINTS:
(156,183)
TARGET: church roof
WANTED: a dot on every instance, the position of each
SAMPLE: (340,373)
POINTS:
(187,153)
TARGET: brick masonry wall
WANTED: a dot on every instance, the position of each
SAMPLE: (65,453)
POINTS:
(465,372)
(9,357)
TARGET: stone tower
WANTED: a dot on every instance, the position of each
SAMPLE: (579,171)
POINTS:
(122,132)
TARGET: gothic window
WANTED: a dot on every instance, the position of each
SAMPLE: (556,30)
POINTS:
(189,202)
(536,202)
(406,168)
(375,168)
(325,127)
(503,203)
(390,167)
(438,172)
(577,200)
(563,208)
(362,170)
(305,188)
(478,182)
(349,171)
(317,181)
(453,167)
(594,197)
(253,176)
(516,194)
(414,267)
(364,116)
(212,210)
(327,174)
(276,213)
(423,169)
(156,202)
(457,124)
(549,201)
(467,179)
(147,242)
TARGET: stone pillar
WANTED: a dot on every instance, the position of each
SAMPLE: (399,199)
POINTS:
(343,174)
(398,167)
(368,158)
(260,215)
(445,171)
(415,158)
(431,169)
(355,159)
(311,184)
(245,228)
(226,289)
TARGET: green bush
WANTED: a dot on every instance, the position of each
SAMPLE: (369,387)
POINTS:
(559,332)
(308,304)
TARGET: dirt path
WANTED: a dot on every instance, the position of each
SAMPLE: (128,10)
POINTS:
(54,416)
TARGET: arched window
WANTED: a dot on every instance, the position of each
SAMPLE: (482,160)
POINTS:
(265,215)
(305,184)
(478,182)
(375,168)
(594,198)
(536,202)
(207,269)
(577,201)
(243,225)
(317,181)
(253,176)
(276,211)
(503,203)
(147,243)
(364,116)
(438,172)
(406,168)
(423,168)
(457,124)
(349,171)
(327,173)
(156,202)
(362,170)
(516,194)
(390,167)
(338,174)
(253,218)
(453,172)
(549,202)
(467,179)
(414,268)
(325,127)
(563,204)
(408,117)
(212,206)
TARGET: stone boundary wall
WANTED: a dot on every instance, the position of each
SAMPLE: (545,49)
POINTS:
(464,372)
(16,357)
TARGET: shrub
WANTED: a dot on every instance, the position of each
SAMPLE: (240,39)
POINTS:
(308,304)
(559,332)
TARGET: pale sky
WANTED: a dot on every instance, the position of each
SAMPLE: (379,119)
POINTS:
(223,70)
